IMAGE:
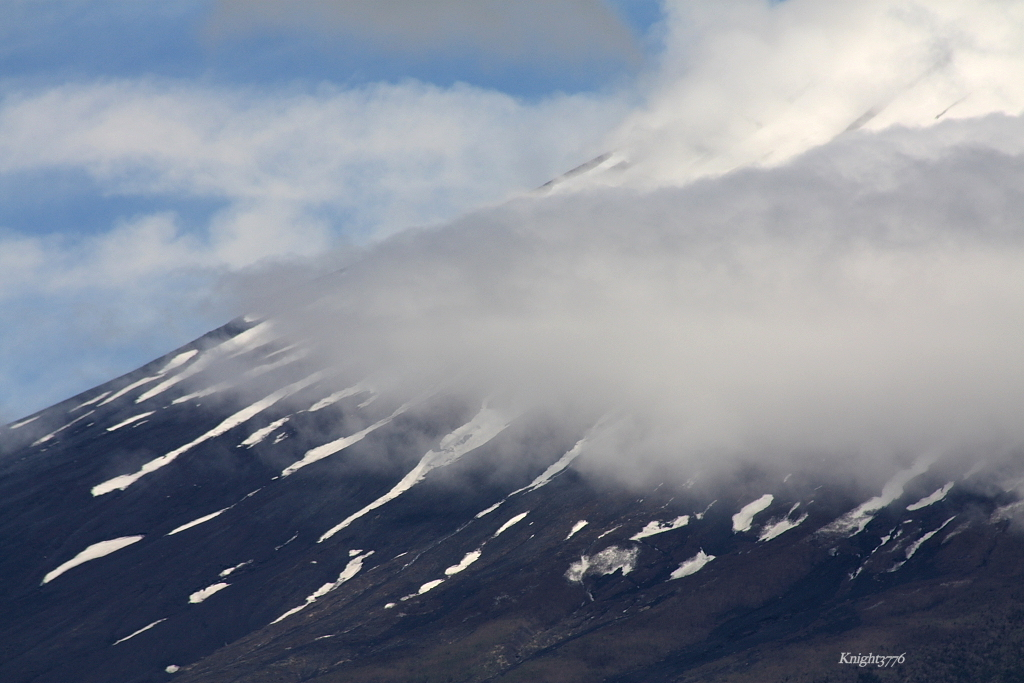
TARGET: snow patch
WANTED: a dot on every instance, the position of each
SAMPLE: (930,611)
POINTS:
(351,569)
(91,401)
(52,434)
(507,525)
(486,425)
(469,559)
(96,550)
(141,630)
(260,434)
(743,519)
(608,561)
(197,522)
(692,565)
(204,593)
(125,480)
(576,528)
(780,527)
(544,477)
(654,528)
(854,521)
(133,418)
(231,570)
(931,499)
(329,449)
(337,396)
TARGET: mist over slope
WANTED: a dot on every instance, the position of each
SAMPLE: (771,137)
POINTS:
(807,244)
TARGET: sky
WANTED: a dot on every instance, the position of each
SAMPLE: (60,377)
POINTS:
(149,151)
(804,239)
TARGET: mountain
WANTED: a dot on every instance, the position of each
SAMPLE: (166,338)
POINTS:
(230,513)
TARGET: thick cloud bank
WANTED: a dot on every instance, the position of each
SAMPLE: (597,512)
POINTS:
(843,276)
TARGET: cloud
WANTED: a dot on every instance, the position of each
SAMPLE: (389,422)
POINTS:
(288,174)
(527,30)
(746,82)
(864,301)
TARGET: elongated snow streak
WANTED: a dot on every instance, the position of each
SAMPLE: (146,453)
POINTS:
(486,425)
(743,519)
(337,396)
(854,521)
(260,434)
(174,363)
(469,559)
(91,401)
(44,439)
(125,480)
(141,630)
(654,528)
(780,527)
(19,425)
(329,449)
(912,548)
(201,595)
(576,528)
(230,348)
(197,522)
(96,550)
(545,476)
(351,569)
(231,570)
(510,523)
(133,418)
(608,561)
(935,497)
(692,565)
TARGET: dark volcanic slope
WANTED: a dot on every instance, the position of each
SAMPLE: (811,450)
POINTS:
(228,514)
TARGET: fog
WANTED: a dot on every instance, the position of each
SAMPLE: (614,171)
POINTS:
(818,283)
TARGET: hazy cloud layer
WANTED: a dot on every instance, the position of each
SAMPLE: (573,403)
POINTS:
(530,30)
(866,300)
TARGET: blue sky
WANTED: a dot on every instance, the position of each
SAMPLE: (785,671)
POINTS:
(150,151)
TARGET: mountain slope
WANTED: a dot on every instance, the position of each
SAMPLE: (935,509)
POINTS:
(229,513)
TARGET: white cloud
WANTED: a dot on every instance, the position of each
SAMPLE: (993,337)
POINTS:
(293,172)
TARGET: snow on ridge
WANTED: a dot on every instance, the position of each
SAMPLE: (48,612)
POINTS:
(854,521)
(484,426)
(141,630)
(692,565)
(260,434)
(510,523)
(576,528)
(654,528)
(125,480)
(133,418)
(329,449)
(608,561)
(204,593)
(744,519)
(197,522)
(931,499)
(351,569)
(469,559)
(94,551)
